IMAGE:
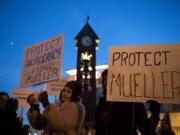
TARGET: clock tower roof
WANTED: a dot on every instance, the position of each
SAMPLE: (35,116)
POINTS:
(86,30)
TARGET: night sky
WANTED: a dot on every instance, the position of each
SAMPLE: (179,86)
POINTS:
(116,22)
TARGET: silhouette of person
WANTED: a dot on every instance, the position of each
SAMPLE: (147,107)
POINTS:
(102,110)
(13,124)
(3,101)
(126,117)
(63,118)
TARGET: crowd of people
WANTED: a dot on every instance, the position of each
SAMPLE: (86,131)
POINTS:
(10,123)
(66,116)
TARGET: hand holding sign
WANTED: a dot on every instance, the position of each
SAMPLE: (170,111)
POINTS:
(32,101)
(43,98)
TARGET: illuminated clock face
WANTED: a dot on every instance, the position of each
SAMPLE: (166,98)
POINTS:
(86,40)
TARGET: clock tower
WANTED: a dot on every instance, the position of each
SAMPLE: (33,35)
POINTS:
(86,44)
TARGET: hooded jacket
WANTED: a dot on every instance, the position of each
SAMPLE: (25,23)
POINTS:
(66,119)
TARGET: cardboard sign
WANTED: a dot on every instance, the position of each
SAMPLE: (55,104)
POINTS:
(22,94)
(54,87)
(141,73)
(42,62)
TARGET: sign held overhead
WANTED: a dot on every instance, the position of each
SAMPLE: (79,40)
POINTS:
(42,62)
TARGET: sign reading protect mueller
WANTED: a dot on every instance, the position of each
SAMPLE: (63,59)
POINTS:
(42,62)
(148,72)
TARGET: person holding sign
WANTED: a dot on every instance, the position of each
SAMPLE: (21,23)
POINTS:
(63,118)
(69,95)
(103,110)
(127,118)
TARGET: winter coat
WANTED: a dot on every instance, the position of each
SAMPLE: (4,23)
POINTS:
(103,109)
(9,123)
(56,120)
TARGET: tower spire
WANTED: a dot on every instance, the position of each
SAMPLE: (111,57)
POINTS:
(87,20)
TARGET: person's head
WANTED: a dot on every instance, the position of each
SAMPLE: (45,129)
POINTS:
(43,98)
(3,99)
(12,105)
(71,92)
(31,99)
(104,81)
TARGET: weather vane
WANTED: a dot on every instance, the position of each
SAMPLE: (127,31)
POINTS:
(87,19)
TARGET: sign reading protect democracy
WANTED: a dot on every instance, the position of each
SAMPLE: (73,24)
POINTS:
(42,62)
(141,73)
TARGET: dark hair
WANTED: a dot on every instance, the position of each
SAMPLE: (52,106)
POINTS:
(76,90)
(12,104)
(2,93)
(4,96)
(29,97)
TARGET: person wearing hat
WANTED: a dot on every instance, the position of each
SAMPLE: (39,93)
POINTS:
(62,118)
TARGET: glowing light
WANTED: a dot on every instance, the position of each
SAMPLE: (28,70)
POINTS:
(81,69)
(90,68)
(97,40)
(86,56)
(99,68)
(98,74)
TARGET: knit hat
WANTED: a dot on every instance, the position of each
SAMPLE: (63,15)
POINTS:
(76,90)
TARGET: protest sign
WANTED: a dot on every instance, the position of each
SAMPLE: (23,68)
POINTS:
(54,87)
(147,72)
(42,62)
(21,95)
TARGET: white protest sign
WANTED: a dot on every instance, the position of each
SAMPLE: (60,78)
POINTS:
(54,87)
(22,94)
(141,73)
(42,62)
(174,119)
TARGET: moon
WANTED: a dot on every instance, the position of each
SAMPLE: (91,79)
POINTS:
(11,43)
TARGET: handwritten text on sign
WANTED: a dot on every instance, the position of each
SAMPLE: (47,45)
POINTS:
(42,62)
(140,73)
